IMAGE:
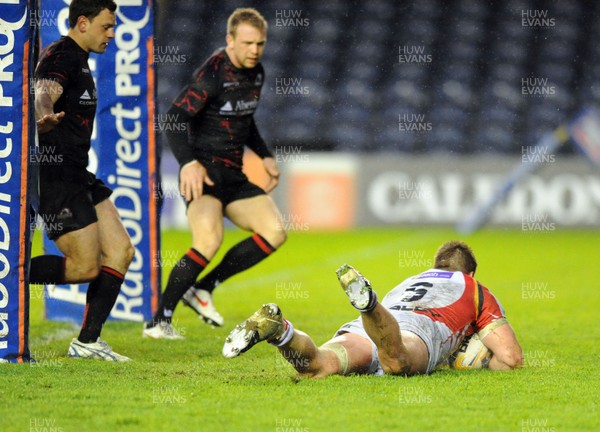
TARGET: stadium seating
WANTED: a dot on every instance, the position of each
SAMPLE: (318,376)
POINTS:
(470,93)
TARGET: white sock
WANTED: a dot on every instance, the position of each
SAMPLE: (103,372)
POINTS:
(286,337)
(372,303)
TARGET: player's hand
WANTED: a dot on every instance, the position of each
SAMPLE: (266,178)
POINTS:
(48,122)
(191,180)
(273,172)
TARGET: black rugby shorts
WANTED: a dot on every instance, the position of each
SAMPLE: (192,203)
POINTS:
(68,200)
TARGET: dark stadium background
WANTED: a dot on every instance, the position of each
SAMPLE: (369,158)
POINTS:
(347,55)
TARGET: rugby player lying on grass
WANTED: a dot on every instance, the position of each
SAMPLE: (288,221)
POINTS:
(416,327)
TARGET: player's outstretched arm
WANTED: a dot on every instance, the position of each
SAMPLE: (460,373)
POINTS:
(47,92)
(502,342)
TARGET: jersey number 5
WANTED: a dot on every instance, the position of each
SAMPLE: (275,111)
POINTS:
(415,293)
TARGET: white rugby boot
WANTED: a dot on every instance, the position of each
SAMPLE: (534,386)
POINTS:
(202,303)
(267,323)
(357,288)
(94,350)
(162,330)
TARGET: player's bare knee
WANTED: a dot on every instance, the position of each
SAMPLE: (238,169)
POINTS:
(279,238)
(282,237)
(119,256)
(275,236)
(208,246)
(128,254)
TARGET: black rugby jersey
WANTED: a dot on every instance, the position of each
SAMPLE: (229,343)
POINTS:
(66,63)
(219,105)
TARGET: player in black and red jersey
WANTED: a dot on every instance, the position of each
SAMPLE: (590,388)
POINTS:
(219,105)
(417,326)
(74,204)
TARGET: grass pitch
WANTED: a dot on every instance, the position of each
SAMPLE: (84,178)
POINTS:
(545,280)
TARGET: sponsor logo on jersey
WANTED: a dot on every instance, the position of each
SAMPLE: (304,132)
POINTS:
(86,99)
(241,108)
(259,80)
(85,70)
(436,274)
(246,105)
(231,84)
(226,108)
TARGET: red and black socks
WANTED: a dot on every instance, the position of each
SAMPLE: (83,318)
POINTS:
(240,257)
(47,269)
(101,297)
(183,275)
